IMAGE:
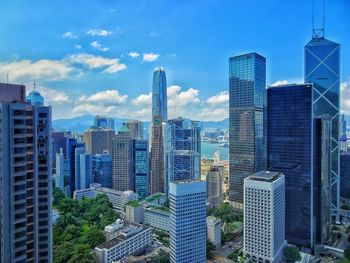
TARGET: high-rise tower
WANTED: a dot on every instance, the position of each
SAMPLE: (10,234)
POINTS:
(159,94)
(246,124)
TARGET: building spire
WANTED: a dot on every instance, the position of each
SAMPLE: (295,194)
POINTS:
(34,87)
(318,29)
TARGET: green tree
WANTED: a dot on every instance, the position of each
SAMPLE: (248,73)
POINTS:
(58,196)
(82,254)
(210,249)
(92,237)
(162,257)
(347,253)
(292,254)
(62,253)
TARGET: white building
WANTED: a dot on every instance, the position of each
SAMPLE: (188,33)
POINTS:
(117,198)
(156,218)
(264,217)
(134,212)
(214,230)
(132,239)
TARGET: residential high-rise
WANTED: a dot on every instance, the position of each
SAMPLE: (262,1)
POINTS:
(141,164)
(159,94)
(99,140)
(123,161)
(83,168)
(183,150)
(157,173)
(322,68)
(136,129)
(247,148)
(214,185)
(298,145)
(102,169)
(188,221)
(25,178)
(264,222)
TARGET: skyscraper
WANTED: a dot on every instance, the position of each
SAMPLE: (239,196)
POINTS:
(141,165)
(297,146)
(123,161)
(83,169)
(246,121)
(159,115)
(159,94)
(99,140)
(103,122)
(343,125)
(25,178)
(264,222)
(62,171)
(188,221)
(322,68)
(214,185)
(136,128)
(72,143)
(102,169)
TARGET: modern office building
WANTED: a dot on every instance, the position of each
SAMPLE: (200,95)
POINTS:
(141,167)
(132,239)
(117,198)
(183,150)
(322,69)
(59,140)
(35,98)
(343,127)
(102,169)
(98,140)
(136,129)
(264,217)
(214,230)
(157,173)
(62,172)
(298,146)
(25,178)
(247,143)
(188,221)
(214,185)
(345,175)
(83,169)
(72,144)
(159,94)
(123,161)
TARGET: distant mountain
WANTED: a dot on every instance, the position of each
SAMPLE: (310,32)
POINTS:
(81,123)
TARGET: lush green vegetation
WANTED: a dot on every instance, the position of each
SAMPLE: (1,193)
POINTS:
(210,249)
(162,257)
(226,213)
(291,254)
(345,207)
(79,228)
(162,237)
(133,203)
(235,254)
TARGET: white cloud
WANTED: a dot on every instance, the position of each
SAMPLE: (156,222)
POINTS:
(99,32)
(134,54)
(26,70)
(111,65)
(51,96)
(279,82)
(69,35)
(220,98)
(97,45)
(178,98)
(88,108)
(143,99)
(106,97)
(149,57)
(78,46)
(345,97)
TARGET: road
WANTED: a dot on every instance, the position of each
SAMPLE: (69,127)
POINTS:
(229,247)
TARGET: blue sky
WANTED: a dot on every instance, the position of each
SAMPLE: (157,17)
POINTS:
(98,56)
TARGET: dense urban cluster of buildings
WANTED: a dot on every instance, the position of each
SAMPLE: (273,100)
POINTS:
(288,154)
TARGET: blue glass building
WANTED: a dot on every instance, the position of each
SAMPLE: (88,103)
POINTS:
(83,168)
(35,98)
(141,170)
(72,143)
(159,94)
(188,232)
(246,121)
(322,68)
(102,169)
(297,146)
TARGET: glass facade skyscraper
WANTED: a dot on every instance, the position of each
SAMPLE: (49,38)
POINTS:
(102,169)
(297,146)
(141,164)
(159,94)
(246,121)
(322,68)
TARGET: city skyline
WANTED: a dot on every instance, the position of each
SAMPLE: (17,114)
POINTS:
(92,70)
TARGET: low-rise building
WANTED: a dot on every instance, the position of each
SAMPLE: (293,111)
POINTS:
(117,198)
(132,239)
(214,230)
(112,231)
(134,212)
(156,218)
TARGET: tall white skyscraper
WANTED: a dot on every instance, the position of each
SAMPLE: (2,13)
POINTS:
(264,217)
(188,221)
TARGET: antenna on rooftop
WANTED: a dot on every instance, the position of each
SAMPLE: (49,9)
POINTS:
(318,28)
(34,87)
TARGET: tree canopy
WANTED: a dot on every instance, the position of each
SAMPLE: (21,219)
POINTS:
(292,254)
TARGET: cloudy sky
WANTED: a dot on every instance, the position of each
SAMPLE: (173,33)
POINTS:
(97,57)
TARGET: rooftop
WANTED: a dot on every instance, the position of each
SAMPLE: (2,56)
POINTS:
(265,176)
